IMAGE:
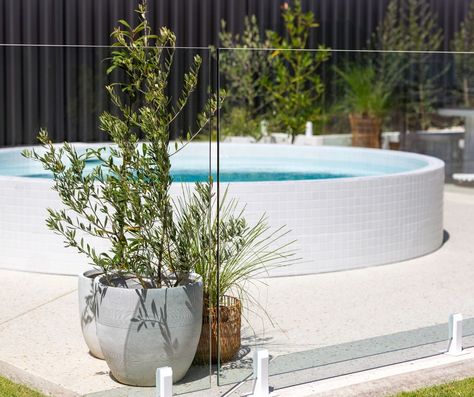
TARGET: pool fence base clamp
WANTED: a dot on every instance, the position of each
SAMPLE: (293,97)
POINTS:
(455,335)
(260,374)
(164,382)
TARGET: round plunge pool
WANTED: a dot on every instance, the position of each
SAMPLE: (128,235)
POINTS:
(345,207)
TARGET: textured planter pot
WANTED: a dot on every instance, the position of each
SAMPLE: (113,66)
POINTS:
(87,283)
(366,131)
(140,330)
(229,335)
(394,145)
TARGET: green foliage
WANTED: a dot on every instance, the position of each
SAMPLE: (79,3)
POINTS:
(366,93)
(464,42)
(125,199)
(238,121)
(460,388)
(411,27)
(10,389)
(245,251)
(285,81)
(244,62)
(295,87)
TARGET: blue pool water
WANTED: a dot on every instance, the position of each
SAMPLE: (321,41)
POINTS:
(253,163)
(193,176)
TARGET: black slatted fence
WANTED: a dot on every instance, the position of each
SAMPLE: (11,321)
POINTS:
(61,88)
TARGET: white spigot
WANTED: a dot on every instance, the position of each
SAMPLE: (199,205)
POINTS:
(264,127)
(164,382)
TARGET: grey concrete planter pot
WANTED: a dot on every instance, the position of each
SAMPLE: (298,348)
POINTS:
(140,330)
(87,283)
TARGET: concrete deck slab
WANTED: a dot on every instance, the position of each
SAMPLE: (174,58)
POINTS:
(41,342)
(326,309)
(24,291)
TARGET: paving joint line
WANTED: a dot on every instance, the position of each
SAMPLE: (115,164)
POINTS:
(37,307)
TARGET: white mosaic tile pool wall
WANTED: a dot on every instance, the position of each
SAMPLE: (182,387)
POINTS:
(350,223)
(338,223)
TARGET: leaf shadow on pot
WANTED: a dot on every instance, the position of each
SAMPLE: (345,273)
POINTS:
(89,311)
(90,308)
(153,328)
(87,287)
(157,317)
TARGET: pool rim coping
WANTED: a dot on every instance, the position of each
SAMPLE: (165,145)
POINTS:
(432,163)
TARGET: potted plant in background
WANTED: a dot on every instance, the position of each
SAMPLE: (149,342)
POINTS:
(149,302)
(294,85)
(407,42)
(246,251)
(274,78)
(244,64)
(463,43)
(367,99)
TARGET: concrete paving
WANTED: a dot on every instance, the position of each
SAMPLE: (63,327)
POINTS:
(326,309)
(315,319)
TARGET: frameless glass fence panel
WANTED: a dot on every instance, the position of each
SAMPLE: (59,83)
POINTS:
(191,130)
(142,147)
(353,266)
(468,332)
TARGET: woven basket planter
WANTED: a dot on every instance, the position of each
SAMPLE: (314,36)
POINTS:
(230,321)
(366,131)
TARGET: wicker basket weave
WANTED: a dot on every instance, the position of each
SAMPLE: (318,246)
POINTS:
(366,131)
(230,321)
